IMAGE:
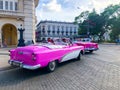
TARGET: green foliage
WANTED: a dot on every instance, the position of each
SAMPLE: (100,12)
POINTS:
(97,24)
(89,21)
(115,33)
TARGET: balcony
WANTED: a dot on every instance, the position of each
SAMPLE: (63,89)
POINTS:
(12,14)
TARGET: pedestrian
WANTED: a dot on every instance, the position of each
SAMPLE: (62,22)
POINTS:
(32,42)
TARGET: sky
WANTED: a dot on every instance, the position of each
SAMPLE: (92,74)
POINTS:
(67,10)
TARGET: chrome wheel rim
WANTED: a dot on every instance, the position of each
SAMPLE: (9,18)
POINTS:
(52,65)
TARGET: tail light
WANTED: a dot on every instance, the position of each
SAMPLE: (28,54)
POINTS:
(33,56)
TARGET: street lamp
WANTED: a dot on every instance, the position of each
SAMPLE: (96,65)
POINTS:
(21,40)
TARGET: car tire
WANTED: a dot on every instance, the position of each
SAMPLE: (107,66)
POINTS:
(91,51)
(79,56)
(51,66)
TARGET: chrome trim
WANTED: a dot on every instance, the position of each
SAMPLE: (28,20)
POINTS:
(87,49)
(31,67)
(24,65)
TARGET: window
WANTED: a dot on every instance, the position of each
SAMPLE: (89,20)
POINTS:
(62,28)
(39,28)
(48,27)
(6,5)
(16,6)
(75,28)
(70,28)
(53,27)
(58,29)
(66,28)
(11,5)
(1,4)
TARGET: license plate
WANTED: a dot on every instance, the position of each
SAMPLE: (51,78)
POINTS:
(16,63)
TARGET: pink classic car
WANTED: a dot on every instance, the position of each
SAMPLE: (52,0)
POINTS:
(38,56)
(88,46)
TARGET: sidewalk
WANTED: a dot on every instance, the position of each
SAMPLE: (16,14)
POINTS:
(4,57)
(108,43)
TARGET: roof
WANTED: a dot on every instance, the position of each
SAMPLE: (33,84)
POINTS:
(59,22)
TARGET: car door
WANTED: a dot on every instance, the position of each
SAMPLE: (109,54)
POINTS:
(70,53)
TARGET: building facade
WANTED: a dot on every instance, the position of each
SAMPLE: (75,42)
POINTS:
(13,14)
(55,29)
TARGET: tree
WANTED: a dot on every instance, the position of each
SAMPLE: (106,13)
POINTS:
(115,33)
(89,21)
(111,15)
(98,24)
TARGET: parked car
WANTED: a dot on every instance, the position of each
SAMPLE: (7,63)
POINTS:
(38,56)
(88,46)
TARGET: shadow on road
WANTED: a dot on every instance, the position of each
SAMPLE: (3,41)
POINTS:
(17,75)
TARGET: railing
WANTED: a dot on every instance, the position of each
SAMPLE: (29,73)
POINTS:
(4,13)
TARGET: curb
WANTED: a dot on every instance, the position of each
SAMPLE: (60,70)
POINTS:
(4,53)
(107,44)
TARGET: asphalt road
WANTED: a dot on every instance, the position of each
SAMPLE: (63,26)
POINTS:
(97,71)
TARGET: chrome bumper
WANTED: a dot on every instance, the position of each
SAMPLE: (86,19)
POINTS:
(88,49)
(21,65)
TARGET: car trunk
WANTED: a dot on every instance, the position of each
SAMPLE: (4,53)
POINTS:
(26,55)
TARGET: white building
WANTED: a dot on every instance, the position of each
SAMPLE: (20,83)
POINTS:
(55,29)
(14,13)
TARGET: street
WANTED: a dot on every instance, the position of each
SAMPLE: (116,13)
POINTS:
(97,71)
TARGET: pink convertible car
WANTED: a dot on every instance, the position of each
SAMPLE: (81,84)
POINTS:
(39,56)
(88,46)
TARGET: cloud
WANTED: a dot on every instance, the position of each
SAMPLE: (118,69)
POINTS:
(67,10)
(52,6)
(39,15)
(100,5)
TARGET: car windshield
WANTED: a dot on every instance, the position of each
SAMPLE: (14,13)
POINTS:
(84,40)
(59,41)
(54,46)
(51,46)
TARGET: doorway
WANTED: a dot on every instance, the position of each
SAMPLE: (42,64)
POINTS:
(9,35)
